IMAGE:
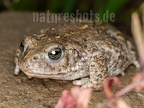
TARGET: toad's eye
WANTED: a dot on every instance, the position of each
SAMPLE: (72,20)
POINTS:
(21,44)
(55,53)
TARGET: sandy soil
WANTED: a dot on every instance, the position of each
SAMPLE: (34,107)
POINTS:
(19,91)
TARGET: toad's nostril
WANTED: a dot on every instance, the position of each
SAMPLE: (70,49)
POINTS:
(36,57)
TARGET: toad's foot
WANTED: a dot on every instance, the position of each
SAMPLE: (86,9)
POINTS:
(81,81)
(17,69)
(86,83)
(137,65)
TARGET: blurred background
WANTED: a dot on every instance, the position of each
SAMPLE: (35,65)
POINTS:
(121,8)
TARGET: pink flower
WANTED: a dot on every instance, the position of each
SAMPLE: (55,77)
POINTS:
(122,104)
(77,96)
(139,80)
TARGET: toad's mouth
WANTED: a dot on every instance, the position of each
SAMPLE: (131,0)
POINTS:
(52,76)
(41,71)
(44,74)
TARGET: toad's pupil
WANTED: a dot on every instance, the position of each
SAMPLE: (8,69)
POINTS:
(55,53)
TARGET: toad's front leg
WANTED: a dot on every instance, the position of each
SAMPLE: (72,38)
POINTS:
(17,69)
(98,73)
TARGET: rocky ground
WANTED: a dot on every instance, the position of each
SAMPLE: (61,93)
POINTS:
(19,91)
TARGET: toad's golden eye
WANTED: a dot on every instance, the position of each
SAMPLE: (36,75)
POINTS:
(55,53)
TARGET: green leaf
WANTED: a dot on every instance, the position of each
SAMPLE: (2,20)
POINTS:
(54,5)
(112,6)
(69,6)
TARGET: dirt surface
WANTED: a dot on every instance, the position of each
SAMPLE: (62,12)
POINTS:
(19,91)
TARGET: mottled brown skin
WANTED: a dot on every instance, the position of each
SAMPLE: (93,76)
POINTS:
(88,50)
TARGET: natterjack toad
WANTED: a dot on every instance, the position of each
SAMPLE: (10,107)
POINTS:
(70,51)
